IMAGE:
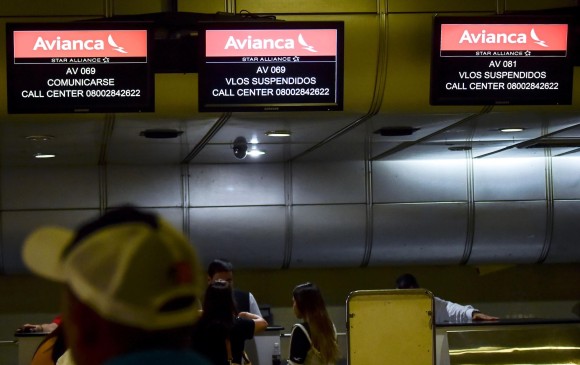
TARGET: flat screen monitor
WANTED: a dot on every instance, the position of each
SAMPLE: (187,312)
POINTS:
(271,66)
(79,67)
(501,60)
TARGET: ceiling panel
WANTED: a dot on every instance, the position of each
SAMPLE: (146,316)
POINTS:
(386,85)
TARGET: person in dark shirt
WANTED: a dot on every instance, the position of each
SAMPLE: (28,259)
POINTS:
(221,332)
(222,269)
(314,341)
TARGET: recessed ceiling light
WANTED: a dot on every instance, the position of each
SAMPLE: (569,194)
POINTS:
(255,153)
(511,130)
(44,155)
(279,133)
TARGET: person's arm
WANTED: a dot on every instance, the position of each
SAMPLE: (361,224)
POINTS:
(478,316)
(254,308)
(458,313)
(260,323)
(299,346)
(43,327)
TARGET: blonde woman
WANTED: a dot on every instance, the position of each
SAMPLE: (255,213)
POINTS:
(314,340)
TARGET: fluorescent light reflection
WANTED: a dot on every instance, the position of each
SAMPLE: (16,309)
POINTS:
(254,152)
(492,350)
(278,133)
(44,155)
(535,355)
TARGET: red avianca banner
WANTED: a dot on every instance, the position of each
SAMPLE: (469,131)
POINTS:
(504,37)
(80,43)
(271,42)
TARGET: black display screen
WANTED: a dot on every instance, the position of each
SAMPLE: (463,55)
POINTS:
(518,60)
(79,67)
(271,66)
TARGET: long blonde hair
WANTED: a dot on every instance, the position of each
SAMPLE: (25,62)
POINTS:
(311,306)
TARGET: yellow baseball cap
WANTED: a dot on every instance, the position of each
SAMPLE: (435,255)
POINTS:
(131,267)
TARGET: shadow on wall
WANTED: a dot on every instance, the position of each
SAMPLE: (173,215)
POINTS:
(576,309)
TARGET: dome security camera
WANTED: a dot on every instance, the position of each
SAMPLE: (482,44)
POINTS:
(240,148)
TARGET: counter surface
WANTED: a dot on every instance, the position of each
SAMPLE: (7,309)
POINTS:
(510,341)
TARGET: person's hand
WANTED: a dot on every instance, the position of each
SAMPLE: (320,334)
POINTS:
(45,327)
(28,328)
(247,315)
(478,316)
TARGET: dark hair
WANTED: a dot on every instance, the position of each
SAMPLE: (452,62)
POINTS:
(219,308)
(219,265)
(59,346)
(311,307)
(406,281)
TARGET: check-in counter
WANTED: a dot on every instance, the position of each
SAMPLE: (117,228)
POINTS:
(27,345)
(512,341)
(260,349)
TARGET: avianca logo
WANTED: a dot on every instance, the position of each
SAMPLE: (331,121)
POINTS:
(60,44)
(269,43)
(507,37)
(80,43)
(491,38)
(305,45)
(114,45)
(537,39)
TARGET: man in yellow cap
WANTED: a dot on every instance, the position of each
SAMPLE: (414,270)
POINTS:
(132,288)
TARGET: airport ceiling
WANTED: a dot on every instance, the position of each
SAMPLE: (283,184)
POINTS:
(386,115)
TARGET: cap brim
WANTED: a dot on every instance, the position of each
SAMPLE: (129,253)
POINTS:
(43,251)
